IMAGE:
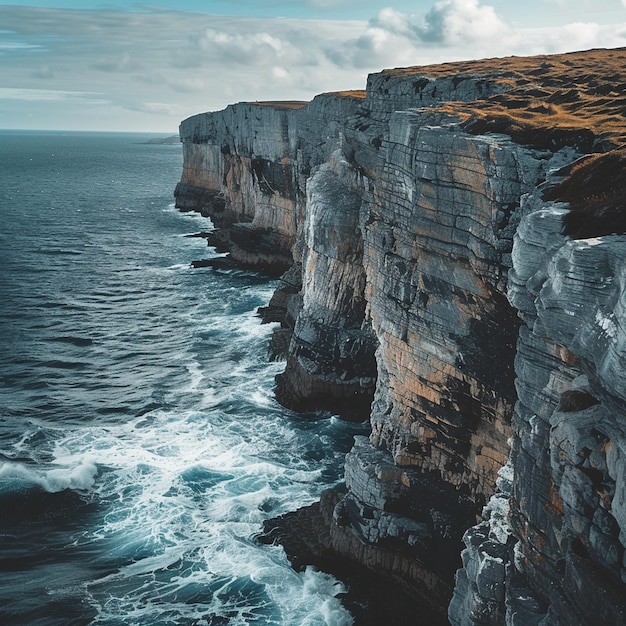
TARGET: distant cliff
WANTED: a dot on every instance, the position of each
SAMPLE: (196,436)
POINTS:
(452,255)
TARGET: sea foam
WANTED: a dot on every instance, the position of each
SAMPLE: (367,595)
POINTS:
(17,476)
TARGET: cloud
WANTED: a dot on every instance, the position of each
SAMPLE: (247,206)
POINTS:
(190,84)
(461,29)
(11,46)
(570,37)
(329,4)
(243,42)
(158,108)
(44,72)
(381,40)
(395,38)
(452,22)
(256,48)
(49,95)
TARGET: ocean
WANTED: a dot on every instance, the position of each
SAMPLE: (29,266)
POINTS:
(141,446)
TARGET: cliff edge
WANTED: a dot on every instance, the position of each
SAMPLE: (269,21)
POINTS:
(451,249)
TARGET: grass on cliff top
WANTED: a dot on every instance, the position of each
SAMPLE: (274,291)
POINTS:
(596,191)
(580,93)
(281,104)
(359,94)
(550,101)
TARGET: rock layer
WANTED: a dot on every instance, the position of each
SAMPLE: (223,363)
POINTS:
(431,290)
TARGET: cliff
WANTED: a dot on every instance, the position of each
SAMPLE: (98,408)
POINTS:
(452,250)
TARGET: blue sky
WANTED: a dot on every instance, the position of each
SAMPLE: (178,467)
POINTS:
(124,65)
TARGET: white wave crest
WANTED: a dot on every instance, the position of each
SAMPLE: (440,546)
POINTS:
(79,477)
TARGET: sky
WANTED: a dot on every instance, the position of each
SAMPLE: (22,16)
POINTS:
(132,66)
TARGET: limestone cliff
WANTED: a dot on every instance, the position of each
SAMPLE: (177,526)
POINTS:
(440,281)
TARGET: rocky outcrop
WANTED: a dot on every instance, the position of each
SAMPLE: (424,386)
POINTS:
(330,360)
(560,548)
(430,288)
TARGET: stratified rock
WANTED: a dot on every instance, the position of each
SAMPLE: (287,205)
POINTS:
(439,278)
(566,514)
(331,363)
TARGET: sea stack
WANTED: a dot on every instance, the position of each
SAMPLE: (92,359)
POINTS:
(452,250)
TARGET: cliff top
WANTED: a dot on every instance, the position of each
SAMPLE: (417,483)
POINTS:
(280,104)
(360,94)
(576,99)
(578,91)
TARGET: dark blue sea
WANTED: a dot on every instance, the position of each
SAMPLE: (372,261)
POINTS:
(141,446)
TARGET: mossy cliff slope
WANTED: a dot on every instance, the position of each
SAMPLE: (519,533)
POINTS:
(453,249)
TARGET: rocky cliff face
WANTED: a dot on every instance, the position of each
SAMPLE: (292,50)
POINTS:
(556,558)
(430,289)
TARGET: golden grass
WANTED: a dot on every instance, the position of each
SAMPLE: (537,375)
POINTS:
(280,104)
(359,94)
(584,91)
(578,91)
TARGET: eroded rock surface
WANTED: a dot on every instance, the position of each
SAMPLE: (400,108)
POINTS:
(428,287)
(566,538)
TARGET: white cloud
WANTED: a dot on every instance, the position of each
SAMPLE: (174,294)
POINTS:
(43,71)
(462,29)
(190,84)
(569,38)
(452,22)
(256,48)
(117,63)
(280,73)
(245,42)
(384,40)
(394,38)
(11,46)
(328,4)
(392,21)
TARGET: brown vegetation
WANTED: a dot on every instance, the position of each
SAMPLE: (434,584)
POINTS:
(549,101)
(281,104)
(596,191)
(359,94)
(581,92)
